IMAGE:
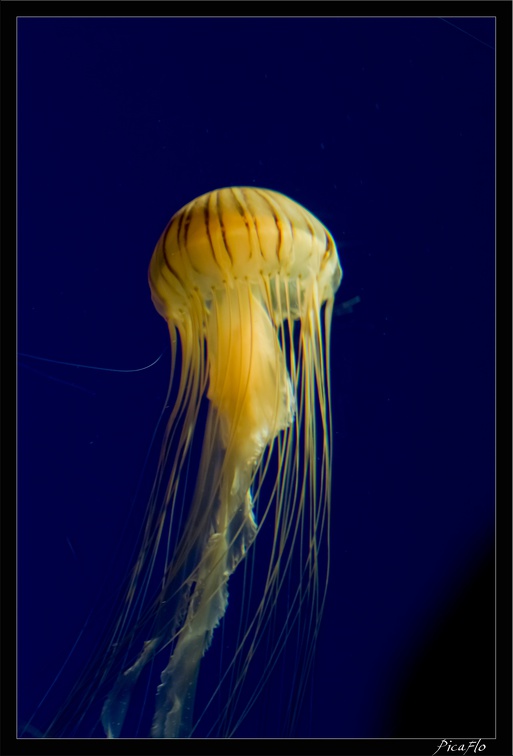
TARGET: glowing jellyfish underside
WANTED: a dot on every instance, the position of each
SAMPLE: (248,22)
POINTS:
(245,279)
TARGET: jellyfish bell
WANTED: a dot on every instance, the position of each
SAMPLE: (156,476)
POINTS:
(245,279)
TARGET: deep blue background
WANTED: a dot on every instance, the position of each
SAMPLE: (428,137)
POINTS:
(383,128)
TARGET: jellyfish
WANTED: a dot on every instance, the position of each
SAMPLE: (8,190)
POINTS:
(245,279)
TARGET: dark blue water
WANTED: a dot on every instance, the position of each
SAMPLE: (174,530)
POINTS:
(383,128)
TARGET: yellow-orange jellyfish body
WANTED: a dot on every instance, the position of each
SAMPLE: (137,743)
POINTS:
(245,279)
